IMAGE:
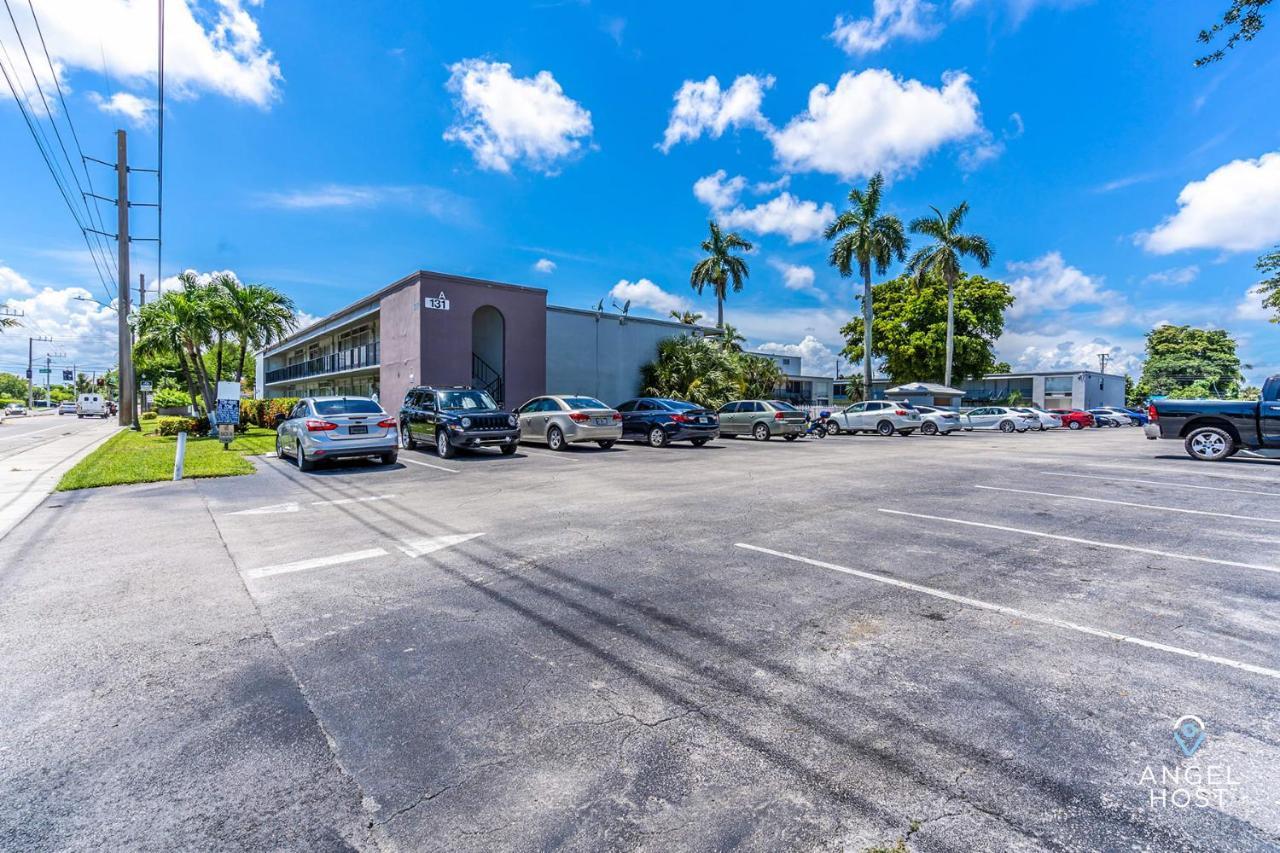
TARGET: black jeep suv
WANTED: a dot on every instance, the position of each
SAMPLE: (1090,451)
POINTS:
(456,417)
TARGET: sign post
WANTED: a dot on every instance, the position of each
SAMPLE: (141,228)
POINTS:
(227,413)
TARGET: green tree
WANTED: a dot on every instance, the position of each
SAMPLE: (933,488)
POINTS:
(911,328)
(12,387)
(721,267)
(693,369)
(943,258)
(761,377)
(871,240)
(689,318)
(731,339)
(1243,19)
(1131,396)
(1269,287)
(7,322)
(260,316)
(1189,363)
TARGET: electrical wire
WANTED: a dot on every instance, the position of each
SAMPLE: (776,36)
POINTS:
(159,151)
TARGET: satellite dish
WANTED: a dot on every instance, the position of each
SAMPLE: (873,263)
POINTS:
(599,306)
(626,306)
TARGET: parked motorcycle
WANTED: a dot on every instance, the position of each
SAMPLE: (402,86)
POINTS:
(817,427)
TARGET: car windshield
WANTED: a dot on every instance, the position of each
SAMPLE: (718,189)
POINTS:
(584,403)
(679,405)
(345,406)
(786,407)
(452,400)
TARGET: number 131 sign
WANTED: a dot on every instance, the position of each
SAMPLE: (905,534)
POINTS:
(437,303)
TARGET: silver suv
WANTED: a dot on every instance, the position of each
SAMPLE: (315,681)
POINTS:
(883,416)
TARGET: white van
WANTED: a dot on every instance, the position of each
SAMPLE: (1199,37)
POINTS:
(91,406)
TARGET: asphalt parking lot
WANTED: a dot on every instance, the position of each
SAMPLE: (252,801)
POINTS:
(974,642)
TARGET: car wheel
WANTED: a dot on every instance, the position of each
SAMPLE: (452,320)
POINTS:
(406,440)
(304,464)
(833,428)
(790,437)
(1209,444)
(698,442)
(657,437)
(389,458)
(1007,426)
(508,449)
(929,428)
(760,432)
(885,428)
(605,445)
(279,448)
(1073,425)
(555,439)
(444,449)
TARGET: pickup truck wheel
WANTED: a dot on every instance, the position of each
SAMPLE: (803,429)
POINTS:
(833,428)
(885,428)
(1209,444)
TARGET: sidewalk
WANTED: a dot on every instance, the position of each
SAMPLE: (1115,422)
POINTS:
(146,705)
(27,477)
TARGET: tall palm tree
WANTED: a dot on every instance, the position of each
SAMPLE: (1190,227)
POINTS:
(158,332)
(943,258)
(721,267)
(259,316)
(870,239)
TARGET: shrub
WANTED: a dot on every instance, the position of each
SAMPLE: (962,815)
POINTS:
(277,410)
(170,398)
(147,416)
(174,425)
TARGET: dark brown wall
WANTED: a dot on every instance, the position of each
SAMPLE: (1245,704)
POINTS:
(401,344)
(446,335)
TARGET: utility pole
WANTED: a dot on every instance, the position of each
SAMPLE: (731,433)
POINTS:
(31,398)
(1102,361)
(122,245)
(142,289)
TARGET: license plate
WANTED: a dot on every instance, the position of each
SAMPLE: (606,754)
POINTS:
(601,421)
(357,430)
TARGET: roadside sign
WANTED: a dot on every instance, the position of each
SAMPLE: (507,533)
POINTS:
(45,370)
(226,432)
(145,386)
(437,303)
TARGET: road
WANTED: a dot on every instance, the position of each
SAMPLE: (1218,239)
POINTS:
(34,453)
(978,642)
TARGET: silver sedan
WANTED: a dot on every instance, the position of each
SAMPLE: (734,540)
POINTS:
(320,428)
(563,419)
(935,421)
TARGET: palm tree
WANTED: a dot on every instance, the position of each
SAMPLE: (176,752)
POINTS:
(9,323)
(731,339)
(721,266)
(259,316)
(943,258)
(871,239)
(158,333)
(689,318)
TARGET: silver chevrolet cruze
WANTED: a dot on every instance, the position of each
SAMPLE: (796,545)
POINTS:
(320,428)
(564,419)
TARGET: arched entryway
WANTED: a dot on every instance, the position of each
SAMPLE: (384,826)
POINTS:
(488,351)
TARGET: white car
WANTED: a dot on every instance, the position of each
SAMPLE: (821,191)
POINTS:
(1044,420)
(1002,418)
(1120,415)
(881,416)
(935,421)
(15,410)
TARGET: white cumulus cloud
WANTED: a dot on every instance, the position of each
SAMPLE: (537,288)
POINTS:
(1236,208)
(703,107)
(140,111)
(794,276)
(890,19)
(873,121)
(1049,283)
(504,120)
(1071,349)
(645,294)
(213,47)
(797,220)
(1251,307)
(1175,276)
(816,358)
(83,329)
(546,266)
(717,190)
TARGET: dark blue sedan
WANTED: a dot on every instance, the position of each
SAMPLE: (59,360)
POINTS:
(658,421)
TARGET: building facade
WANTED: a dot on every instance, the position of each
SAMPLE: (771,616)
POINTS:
(433,328)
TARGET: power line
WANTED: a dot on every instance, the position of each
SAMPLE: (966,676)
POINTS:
(159,150)
(66,112)
(35,135)
(35,79)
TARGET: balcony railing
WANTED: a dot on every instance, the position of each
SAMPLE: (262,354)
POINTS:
(351,359)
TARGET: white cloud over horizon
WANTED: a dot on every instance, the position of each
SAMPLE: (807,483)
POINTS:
(816,358)
(504,120)
(797,220)
(702,107)
(1234,208)
(1049,283)
(643,293)
(83,329)
(546,266)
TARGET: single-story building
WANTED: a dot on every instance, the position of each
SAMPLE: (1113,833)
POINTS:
(926,394)
(435,328)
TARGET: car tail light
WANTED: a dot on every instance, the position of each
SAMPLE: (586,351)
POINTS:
(319,426)
(777,416)
(617,416)
(579,417)
(1152,414)
(678,419)
(388,423)
(901,412)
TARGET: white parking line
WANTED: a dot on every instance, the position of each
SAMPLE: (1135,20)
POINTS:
(429,465)
(315,563)
(562,455)
(1019,614)
(1079,541)
(420,547)
(1160,483)
(1130,503)
(1183,467)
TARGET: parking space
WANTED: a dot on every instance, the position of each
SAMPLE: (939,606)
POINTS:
(779,644)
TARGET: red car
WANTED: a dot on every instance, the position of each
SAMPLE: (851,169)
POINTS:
(1074,418)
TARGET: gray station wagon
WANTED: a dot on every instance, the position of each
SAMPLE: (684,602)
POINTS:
(761,419)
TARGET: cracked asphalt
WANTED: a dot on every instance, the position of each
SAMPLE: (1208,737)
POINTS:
(574,651)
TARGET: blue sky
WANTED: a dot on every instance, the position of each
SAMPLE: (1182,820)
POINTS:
(582,146)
